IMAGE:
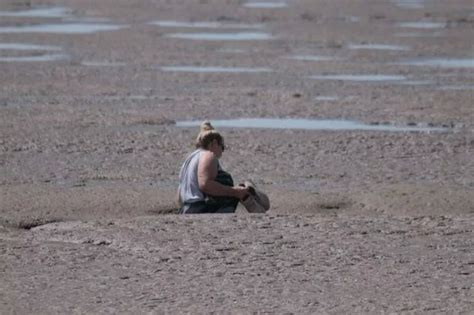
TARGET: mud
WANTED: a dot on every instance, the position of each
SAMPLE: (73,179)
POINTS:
(365,221)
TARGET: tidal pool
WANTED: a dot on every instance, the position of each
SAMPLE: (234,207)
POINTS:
(440,62)
(312,58)
(21,46)
(423,25)
(232,50)
(214,69)
(307,124)
(170,23)
(378,47)
(417,34)
(102,64)
(46,12)
(460,87)
(416,82)
(68,28)
(409,4)
(265,5)
(239,36)
(360,78)
(56,57)
(326,98)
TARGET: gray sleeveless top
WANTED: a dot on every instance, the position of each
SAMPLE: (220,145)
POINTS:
(188,179)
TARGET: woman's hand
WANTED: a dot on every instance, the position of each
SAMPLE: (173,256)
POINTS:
(241,192)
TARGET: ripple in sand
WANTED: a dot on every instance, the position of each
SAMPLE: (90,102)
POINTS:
(360,78)
(379,47)
(68,28)
(265,5)
(214,69)
(46,12)
(177,24)
(306,124)
(240,36)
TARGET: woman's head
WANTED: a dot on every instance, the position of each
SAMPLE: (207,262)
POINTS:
(208,137)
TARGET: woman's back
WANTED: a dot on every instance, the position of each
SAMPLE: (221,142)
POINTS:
(188,177)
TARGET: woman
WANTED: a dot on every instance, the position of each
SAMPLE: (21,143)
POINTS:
(203,186)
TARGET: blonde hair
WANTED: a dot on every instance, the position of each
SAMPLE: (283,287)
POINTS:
(207,134)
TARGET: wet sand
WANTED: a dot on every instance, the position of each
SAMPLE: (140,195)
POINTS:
(362,220)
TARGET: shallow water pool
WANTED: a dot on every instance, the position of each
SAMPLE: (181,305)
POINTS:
(42,58)
(409,4)
(40,12)
(306,124)
(239,36)
(326,98)
(423,25)
(180,24)
(378,47)
(22,46)
(312,58)
(440,62)
(102,64)
(67,28)
(265,5)
(214,69)
(360,78)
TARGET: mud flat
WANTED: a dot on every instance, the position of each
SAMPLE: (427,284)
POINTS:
(356,118)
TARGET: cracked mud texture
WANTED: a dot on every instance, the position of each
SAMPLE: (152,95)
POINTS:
(361,221)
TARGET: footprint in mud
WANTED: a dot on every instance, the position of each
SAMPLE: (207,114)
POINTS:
(163,211)
(28,223)
(333,205)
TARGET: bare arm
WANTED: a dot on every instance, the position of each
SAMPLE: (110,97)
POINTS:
(207,172)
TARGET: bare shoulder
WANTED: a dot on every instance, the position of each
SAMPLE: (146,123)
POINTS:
(208,157)
(207,165)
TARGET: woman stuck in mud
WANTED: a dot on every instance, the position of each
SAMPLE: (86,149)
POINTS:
(203,186)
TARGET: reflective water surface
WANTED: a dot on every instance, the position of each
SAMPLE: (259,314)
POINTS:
(41,58)
(378,47)
(460,87)
(308,124)
(326,98)
(265,5)
(312,58)
(171,23)
(423,25)
(418,34)
(22,46)
(40,12)
(409,4)
(232,50)
(360,78)
(102,64)
(440,62)
(222,36)
(214,69)
(68,28)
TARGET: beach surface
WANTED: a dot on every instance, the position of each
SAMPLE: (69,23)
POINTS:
(355,117)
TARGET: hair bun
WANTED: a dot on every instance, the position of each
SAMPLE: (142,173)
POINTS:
(206,126)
